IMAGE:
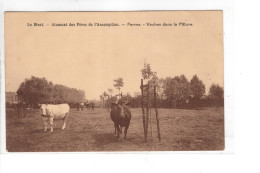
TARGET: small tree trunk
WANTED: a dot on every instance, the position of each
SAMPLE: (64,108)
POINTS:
(147,113)
(157,115)
(142,103)
(150,116)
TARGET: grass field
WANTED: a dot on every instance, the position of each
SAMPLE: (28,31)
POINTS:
(87,130)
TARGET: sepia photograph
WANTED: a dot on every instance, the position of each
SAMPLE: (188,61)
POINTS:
(114,81)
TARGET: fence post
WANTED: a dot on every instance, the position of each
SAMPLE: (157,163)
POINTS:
(157,115)
(147,112)
(142,102)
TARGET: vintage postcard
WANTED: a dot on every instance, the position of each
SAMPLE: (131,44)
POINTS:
(114,81)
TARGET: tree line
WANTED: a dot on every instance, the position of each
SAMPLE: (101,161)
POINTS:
(178,92)
(172,92)
(37,90)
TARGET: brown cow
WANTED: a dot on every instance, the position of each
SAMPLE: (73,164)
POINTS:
(121,116)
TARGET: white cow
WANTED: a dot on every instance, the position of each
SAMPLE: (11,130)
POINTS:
(50,112)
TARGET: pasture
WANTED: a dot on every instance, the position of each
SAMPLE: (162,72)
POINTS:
(92,130)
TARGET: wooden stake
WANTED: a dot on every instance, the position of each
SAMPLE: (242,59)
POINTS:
(150,114)
(142,102)
(157,116)
(147,112)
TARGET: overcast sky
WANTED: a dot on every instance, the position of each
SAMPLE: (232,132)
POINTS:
(89,58)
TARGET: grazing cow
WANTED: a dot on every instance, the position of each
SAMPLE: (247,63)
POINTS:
(121,116)
(93,105)
(87,104)
(81,106)
(50,112)
(20,109)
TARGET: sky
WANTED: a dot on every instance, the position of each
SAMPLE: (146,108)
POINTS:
(91,57)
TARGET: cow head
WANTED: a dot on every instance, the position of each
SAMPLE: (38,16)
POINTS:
(43,109)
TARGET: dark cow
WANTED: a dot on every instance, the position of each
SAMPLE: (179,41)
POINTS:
(20,109)
(121,116)
(87,105)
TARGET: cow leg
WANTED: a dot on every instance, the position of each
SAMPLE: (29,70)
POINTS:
(118,131)
(115,130)
(125,131)
(120,127)
(64,121)
(51,124)
(45,120)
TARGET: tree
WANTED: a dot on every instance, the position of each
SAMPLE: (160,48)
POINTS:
(59,94)
(197,88)
(216,95)
(102,100)
(159,87)
(147,72)
(183,88)
(63,94)
(81,95)
(151,78)
(216,91)
(110,91)
(105,96)
(168,89)
(38,90)
(101,97)
(35,90)
(118,83)
(176,90)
